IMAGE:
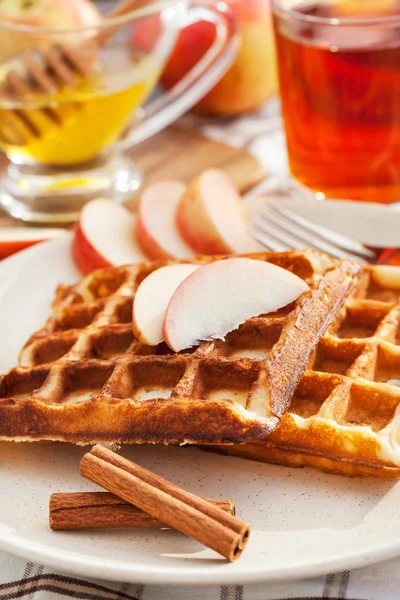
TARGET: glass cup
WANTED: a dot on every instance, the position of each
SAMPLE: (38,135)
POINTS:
(71,103)
(339,70)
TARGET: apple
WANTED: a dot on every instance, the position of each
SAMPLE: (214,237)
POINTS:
(152,298)
(212,218)
(353,9)
(14,239)
(156,229)
(218,297)
(52,14)
(104,237)
(251,80)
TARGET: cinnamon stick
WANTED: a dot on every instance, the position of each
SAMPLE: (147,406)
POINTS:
(197,518)
(102,510)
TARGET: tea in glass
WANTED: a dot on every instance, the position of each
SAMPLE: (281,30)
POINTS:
(339,69)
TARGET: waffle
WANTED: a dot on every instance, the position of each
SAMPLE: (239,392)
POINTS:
(83,378)
(345,413)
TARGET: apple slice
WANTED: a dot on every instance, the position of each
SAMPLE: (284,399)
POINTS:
(152,298)
(14,239)
(220,296)
(156,232)
(104,237)
(212,218)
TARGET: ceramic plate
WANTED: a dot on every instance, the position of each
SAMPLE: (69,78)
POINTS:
(304,523)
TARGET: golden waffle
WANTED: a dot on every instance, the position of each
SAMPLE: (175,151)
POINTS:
(84,378)
(344,416)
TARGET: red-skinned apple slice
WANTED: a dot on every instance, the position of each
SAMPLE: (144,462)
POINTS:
(152,298)
(220,296)
(104,237)
(211,216)
(14,239)
(156,232)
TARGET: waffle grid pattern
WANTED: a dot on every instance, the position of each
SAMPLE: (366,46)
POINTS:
(84,378)
(345,413)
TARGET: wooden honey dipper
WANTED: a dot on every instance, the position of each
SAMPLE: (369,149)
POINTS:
(48,69)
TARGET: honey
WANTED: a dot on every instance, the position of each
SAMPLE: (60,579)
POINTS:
(75,125)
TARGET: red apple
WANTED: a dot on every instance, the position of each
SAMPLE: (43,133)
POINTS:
(251,80)
(353,9)
(52,14)
(104,237)
(146,33)
(55,14)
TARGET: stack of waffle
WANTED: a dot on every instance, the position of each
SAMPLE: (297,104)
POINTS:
(312,384)
(344,416)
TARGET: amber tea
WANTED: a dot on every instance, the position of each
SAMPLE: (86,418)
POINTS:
(339,68)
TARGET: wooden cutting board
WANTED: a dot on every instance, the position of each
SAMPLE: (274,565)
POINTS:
(180,153)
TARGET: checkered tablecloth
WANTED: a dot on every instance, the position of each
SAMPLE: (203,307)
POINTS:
(261,134)
(19,579)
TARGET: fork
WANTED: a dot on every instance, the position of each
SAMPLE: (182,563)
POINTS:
(279,228)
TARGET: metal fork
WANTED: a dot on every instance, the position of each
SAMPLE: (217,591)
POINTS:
(279,228)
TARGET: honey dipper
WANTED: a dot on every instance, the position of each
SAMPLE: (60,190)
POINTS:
(48,69)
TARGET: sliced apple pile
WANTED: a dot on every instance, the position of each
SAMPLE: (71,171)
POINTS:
(152,299)
(185,304)
(157,233)
(220,296)
(211,216)
(173,222)
(104,237)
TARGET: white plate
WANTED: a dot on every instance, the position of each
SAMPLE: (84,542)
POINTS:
(304,523)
